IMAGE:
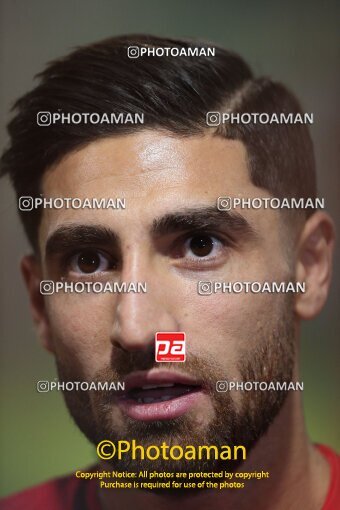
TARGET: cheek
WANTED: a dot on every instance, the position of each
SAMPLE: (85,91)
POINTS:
(226,326)
(81,326)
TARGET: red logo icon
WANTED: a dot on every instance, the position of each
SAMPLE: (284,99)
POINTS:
(170,347)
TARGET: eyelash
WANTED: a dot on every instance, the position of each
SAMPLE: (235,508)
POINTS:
(226,243)
(179,243)
(68,257)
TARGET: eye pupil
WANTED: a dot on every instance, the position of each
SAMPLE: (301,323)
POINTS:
(88,262)
(201,246)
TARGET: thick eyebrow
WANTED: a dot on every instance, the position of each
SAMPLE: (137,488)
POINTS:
(70,236)
(203,218)
(67,236)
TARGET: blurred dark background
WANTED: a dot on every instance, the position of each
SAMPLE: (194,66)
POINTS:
(295,42)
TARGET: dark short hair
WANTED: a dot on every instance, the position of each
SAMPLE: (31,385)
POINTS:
(174,94)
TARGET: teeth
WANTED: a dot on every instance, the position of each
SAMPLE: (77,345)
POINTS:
(150,400)
(154,386)
(147,400)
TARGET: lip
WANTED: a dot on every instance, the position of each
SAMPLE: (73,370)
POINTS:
(161,410)
(156,376)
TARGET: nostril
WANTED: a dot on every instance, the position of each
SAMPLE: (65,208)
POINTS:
(132,344)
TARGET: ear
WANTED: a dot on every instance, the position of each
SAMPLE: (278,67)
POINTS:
(314,264)
(31,271)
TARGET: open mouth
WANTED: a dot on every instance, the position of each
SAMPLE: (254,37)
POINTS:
(158,395)
(151,393)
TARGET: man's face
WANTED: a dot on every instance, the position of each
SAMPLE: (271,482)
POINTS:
(171,236)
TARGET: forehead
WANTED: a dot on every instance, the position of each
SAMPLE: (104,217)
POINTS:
(155,172)
(150,158)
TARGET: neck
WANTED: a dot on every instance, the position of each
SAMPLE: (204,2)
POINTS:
(298,475)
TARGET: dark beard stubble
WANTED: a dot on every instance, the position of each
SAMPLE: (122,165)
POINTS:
(244,424)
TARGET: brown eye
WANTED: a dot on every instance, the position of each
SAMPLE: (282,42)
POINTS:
(201,245)
(89,261)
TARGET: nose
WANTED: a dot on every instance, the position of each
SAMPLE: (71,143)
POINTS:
(139,316)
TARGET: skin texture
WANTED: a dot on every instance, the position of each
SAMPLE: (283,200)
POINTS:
(93,336)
